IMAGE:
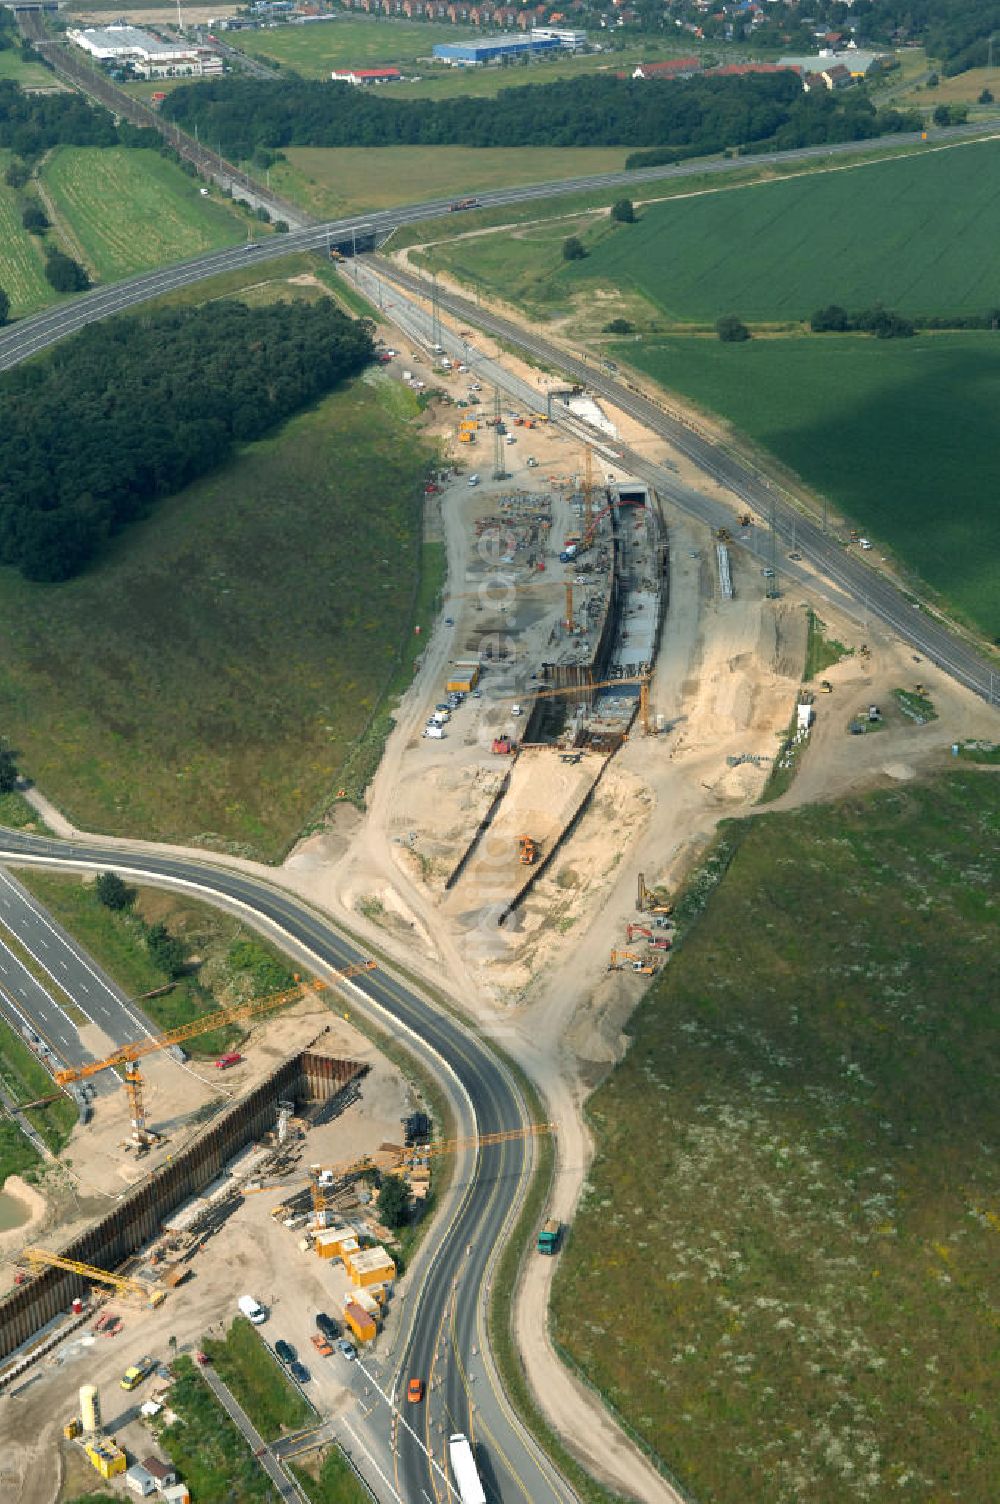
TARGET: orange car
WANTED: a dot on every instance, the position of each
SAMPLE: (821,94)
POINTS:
(415,1391)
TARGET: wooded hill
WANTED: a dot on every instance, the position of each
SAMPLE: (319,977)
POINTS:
(131,410)
(691,116)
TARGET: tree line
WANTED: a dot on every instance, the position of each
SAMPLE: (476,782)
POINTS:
(819,118)
(885,323)
(956,31)
(689,116)
(32,124)
(129,411)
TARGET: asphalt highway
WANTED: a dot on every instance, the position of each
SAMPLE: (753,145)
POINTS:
(28,336)
(27,1002)
(446,1340)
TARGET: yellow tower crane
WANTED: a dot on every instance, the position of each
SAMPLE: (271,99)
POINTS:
(40,1258)
(588,491)
(128,1055)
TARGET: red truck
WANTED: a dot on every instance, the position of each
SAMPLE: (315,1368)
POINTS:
(225,1061)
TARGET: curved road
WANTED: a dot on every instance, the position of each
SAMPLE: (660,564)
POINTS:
(29,336)
(446,1339)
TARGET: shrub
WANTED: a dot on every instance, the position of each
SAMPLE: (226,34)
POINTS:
(731,330)
(623,212)
(832,319)
(573,249)
(619,326)
(65,274)
(35,220)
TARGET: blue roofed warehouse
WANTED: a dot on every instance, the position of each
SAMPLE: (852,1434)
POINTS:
(474,54)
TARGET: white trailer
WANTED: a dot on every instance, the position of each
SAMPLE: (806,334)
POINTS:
(466,1474)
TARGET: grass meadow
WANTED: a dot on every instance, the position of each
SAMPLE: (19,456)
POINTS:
(210,678)
(22,261)
(244,1362)
(28,74)
(129,211)
(313,51)
(336,181)
(784,1266)
(898,433)
(209,1453)
(914,230)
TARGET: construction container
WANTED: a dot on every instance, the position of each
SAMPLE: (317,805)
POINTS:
(332,1242)
(106,1457)
(360,1323)
(370,1266)
(177,1493)
(72,1428)
(138,1481)
(368,1303)
(90,1408)
(176,1275)
(463,681)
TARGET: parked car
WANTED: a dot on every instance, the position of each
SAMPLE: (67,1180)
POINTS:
(327,1326)
(415,1391)
(299,1373)
(285,1351)
(347,1349)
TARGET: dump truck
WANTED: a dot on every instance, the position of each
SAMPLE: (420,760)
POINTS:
(549,1237)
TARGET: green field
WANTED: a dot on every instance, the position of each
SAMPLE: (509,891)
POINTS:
(129,211)
(22,263)
(784,1269)
(914,231)
(899,433)
(28,74)
(916,234)
(209,679)
(344,180)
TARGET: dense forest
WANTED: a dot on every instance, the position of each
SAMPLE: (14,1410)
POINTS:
(955,32)
(31,124)
(692,116)
(131,410)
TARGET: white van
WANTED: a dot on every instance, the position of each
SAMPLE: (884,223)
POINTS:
(435,732)
(252,1310)
(473,480)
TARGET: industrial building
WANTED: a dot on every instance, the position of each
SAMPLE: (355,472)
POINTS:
(477,54)
(147,55)
(569,40)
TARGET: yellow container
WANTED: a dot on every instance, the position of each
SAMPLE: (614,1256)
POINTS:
(360,1323)
(370,1266)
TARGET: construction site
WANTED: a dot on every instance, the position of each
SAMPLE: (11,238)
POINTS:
(224,1192)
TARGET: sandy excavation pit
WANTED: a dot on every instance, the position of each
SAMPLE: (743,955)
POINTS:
(545,793)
